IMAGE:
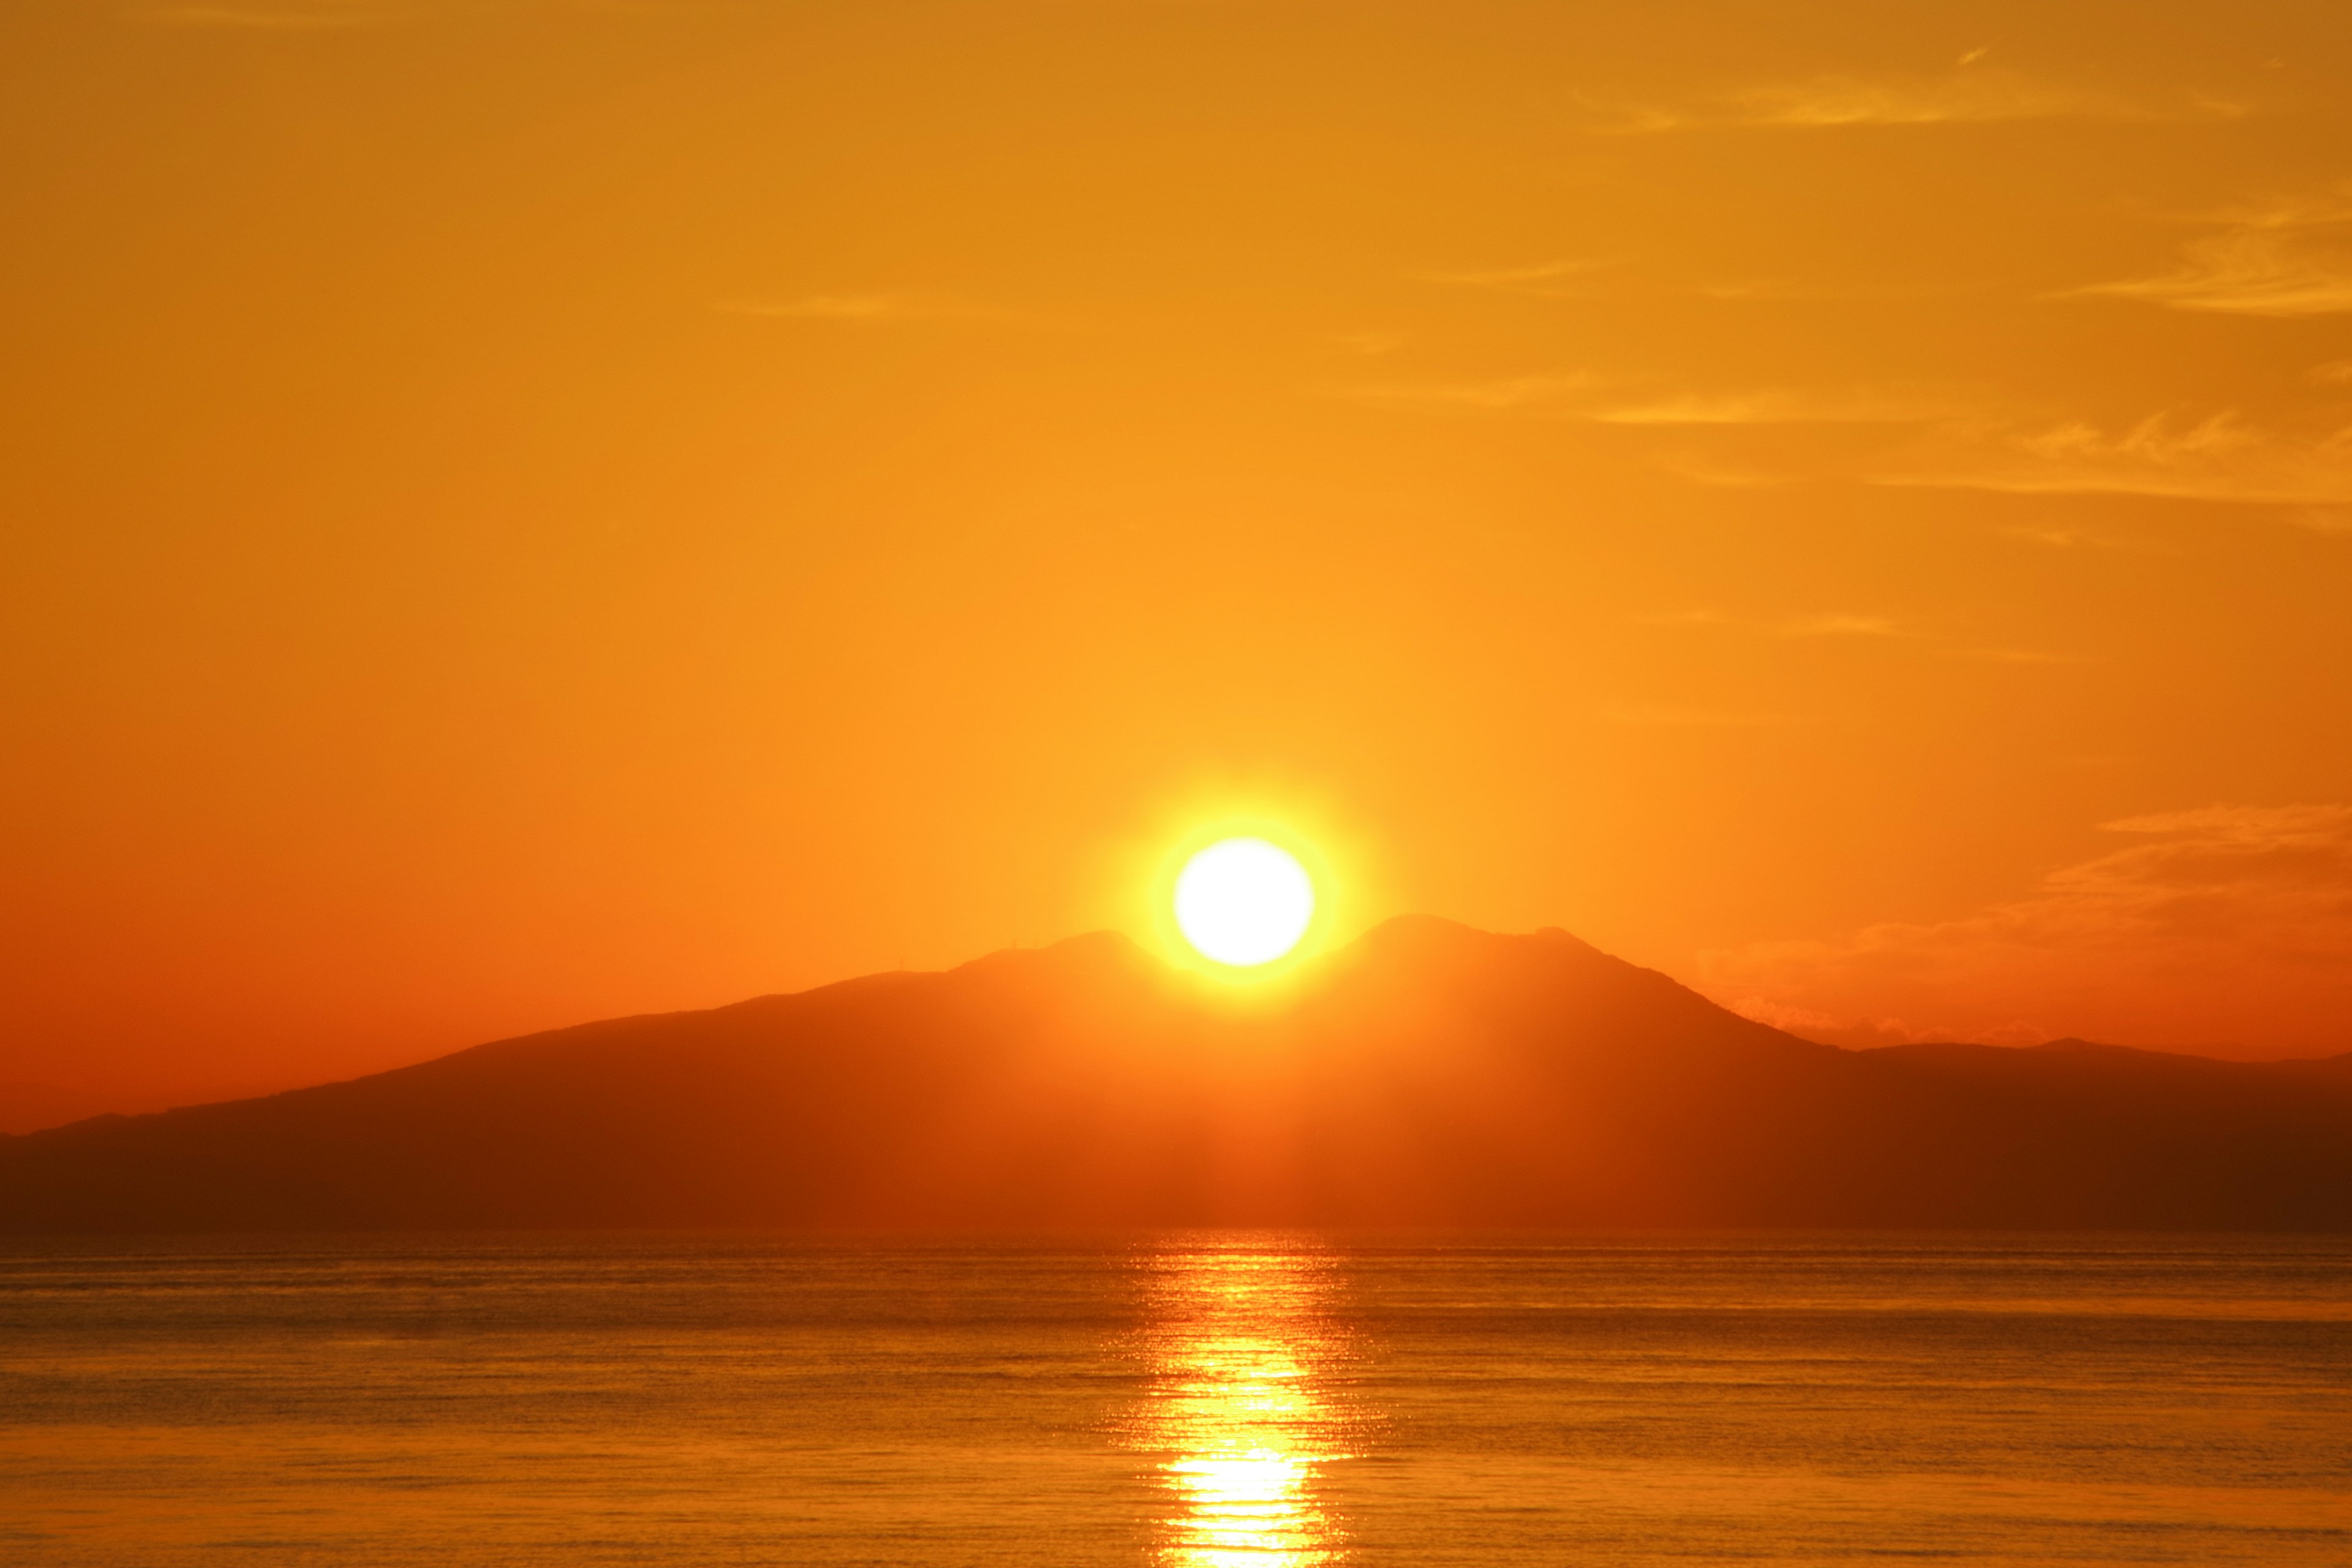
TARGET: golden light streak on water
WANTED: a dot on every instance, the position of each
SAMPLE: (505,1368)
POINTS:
(1245,1408)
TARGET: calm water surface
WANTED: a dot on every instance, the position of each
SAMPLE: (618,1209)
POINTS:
(1199,1401)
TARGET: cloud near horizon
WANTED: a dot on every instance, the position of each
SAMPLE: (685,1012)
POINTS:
(1545,280)
(1969,94)
(1959,443)
(2286,258)
(1588,396)
(2221,457)
(1782,405)
(2228,927)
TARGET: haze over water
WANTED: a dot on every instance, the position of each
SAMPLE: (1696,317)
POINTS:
(1200,1401)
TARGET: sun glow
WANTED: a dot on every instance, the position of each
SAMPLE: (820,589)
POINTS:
(1244,902)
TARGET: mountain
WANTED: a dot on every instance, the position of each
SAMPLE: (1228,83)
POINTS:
(1427,1075)
(26,1106)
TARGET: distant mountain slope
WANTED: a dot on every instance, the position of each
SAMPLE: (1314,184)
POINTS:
(1427,1075)
(26,1106)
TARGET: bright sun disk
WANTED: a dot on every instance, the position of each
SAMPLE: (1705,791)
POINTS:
(1244,902)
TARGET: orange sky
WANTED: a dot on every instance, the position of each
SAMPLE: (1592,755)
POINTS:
(518,511)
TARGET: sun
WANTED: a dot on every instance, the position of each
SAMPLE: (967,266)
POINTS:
(1244,902)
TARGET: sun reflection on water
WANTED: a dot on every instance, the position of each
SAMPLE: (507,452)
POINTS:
(1245,1352)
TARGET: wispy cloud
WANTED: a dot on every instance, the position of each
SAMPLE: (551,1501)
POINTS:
(2220,922)
(2221,457)
(1872,1033)
(1835,626)
(2249,273)
(1581,395)
(1964,96)
(2054,536)
(1783,405)
(2290,257)
(1711,469)
(1969,94)
(1959,441)
(1556,278)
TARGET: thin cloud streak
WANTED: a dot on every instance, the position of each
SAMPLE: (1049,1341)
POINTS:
(1783,407)
(2251,273)
(2277,258)
(1584,395)
(2221,922)
(1967,95)
(1542,280)
(2219,458)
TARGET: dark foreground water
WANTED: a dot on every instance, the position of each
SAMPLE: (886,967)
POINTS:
(1229,1401)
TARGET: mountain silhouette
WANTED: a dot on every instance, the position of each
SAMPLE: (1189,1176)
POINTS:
(1426,1074)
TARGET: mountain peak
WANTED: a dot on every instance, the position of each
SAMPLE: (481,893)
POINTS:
(1089,950)
(1428,1073)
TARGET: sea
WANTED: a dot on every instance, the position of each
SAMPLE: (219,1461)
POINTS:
(1194,1400)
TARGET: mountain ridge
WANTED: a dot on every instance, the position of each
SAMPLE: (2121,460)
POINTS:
(1425,1074)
